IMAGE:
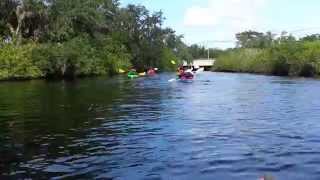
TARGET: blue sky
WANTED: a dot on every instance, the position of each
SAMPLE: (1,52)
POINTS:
(207,22)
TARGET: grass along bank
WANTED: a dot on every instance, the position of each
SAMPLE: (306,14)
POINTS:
(283,57)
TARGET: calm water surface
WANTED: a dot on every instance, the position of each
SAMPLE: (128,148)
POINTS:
(221,126)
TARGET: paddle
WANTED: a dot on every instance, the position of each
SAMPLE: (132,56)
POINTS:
(172,80)
(173,63)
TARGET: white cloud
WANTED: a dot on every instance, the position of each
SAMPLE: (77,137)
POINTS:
(235,15)
(198,16)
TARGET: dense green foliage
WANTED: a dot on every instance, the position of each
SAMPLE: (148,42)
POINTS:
(262,53)
(16,62)
(79,57)
(59,38)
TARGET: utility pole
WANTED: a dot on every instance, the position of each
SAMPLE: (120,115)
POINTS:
(208,50)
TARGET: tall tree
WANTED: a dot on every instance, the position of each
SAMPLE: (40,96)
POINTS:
(250,39)
(7,11)
(23,19)
(77,17)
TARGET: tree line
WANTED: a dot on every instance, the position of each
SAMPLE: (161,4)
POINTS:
(201,52)
(267,53)
(69,38)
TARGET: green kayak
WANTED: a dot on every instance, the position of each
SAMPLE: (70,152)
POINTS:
(133,74)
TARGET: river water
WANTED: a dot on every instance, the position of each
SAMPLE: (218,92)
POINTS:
(221,126)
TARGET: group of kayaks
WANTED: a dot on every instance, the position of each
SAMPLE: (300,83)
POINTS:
(185,75)
(134,74)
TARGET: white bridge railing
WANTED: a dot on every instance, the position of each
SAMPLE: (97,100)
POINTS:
(200,63)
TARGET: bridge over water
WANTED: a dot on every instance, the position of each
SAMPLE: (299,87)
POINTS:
(207,64)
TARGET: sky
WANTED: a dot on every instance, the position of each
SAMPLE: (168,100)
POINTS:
(214,23)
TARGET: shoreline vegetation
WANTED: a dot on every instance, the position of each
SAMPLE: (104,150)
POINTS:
(262,53)
(78,38)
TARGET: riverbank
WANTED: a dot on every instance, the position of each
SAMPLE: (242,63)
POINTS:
(68,60)
(93,38)
(287,57)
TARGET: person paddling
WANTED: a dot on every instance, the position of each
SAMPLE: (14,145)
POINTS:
(151,72)
(180,72)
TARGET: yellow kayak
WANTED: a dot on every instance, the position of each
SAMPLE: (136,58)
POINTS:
(142,74)
(121,71)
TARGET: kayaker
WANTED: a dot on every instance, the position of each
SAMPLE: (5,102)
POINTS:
(133,71)
(180,71)
(151,72)
(185,74)
(188,75)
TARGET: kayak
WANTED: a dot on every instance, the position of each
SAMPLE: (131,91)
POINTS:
(132,74)
(121,71)
(142,74)
(186,80)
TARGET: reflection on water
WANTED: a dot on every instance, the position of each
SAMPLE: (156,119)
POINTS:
(221,126)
